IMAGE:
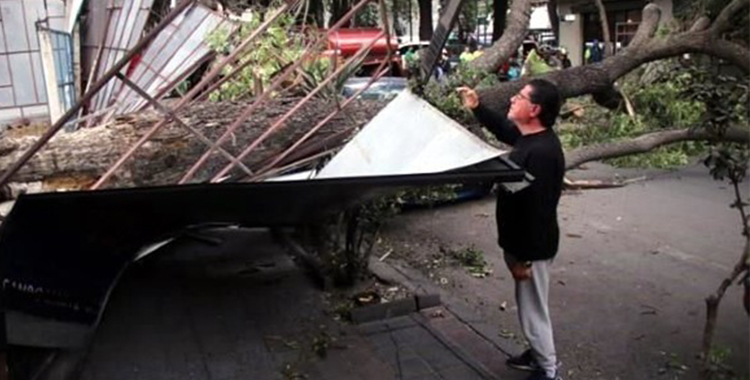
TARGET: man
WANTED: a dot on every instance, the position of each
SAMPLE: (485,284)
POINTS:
(527,219)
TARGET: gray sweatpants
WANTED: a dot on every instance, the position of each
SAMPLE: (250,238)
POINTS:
(533,313)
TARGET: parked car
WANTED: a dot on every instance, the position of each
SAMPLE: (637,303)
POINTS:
(385,88)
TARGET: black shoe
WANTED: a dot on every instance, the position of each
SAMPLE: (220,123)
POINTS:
(523,362)
(541,375)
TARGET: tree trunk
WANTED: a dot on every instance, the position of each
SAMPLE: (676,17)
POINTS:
(397,29)
(338,10)
(317,11)
(713,301)
(554,19)
(74,160)
(499,13)
(513,36)
(605,28)
(425,20)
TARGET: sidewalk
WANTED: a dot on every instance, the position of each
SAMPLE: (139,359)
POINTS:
(193,313)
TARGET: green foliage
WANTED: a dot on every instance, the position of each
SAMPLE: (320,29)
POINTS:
(728,161)
(444,96)
(427,196)
(682,98)
(723,97)
(279,46)
(368,16)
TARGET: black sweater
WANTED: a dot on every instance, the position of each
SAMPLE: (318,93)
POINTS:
(527,220)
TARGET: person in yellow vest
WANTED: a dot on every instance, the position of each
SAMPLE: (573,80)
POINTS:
(478,53)
(466,56)
(535,64)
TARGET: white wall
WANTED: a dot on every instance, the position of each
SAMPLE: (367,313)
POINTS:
(571,35)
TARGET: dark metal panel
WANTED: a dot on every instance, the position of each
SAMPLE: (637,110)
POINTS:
(61,253)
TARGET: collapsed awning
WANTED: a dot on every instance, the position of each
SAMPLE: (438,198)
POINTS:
(62,253)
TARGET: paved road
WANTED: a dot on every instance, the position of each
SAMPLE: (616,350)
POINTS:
(629,282)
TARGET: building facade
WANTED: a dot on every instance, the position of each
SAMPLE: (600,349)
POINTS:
(580,24)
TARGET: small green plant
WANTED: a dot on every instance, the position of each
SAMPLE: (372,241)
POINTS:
(428,196)
(320,344)
(472,259)
(716,364)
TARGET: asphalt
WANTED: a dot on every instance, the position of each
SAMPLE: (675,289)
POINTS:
(629,282)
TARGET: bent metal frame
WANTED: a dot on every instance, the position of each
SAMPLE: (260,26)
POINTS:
(299,151)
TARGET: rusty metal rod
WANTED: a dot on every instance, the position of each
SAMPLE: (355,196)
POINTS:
(167,112)
(187,99)
(267,93)
(323,122)
(94,89)
(169,87)
(97,60)
(279,122)
(296,164)
(380,72)
(223,79)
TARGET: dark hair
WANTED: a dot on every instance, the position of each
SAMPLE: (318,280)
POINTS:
(546,95)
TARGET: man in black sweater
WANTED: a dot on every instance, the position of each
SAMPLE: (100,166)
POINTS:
(527,219)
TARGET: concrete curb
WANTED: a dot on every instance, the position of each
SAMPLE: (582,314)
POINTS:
(394,309)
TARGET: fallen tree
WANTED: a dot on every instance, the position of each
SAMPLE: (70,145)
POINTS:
(75,160)
(704,36)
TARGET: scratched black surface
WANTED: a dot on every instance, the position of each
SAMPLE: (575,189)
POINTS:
(60,253)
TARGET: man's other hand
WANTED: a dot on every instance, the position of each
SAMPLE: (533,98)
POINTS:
(520,271)
(469,97)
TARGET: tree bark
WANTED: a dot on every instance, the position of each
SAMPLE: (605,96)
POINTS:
(513,36)
(648,142)
(644,48)
(425,20)
(713,301)
(317,11)
(338,10)
(74,160)
(499,13)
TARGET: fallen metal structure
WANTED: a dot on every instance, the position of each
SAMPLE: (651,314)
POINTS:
(61,254)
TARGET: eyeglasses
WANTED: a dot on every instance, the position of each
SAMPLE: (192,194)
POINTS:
(521,96)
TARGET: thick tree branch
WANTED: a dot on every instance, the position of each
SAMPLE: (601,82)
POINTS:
(648,142)
(723,22)
(599,77)
(512,38)
(649,24)
(700,24)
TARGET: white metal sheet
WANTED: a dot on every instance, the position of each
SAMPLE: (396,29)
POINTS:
(21,74)
(409,136)
(127,20)
(14,24)
(172,53)
(23,79)
(73,10)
